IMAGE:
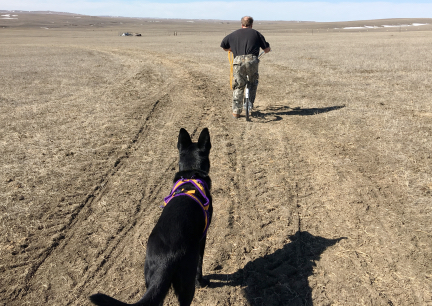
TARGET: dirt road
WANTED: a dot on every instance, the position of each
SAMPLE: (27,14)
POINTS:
(323,199)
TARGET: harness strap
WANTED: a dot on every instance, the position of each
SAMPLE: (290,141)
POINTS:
(200,185)
(231,61)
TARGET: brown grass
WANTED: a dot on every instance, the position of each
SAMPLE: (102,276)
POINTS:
(339,147)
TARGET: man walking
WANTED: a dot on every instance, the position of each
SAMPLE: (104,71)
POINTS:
(245,44)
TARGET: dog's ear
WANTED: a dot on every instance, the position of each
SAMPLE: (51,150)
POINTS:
(204,140)
(184,139)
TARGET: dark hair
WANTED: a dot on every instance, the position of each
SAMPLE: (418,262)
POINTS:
(247,21)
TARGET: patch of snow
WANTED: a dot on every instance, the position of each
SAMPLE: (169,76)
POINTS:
(353,28)
(385,26)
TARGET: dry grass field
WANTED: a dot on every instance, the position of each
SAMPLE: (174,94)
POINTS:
(325,198)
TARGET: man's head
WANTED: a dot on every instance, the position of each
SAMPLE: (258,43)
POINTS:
(247,22)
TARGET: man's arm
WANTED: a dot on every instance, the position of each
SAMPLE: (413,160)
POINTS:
(225,44)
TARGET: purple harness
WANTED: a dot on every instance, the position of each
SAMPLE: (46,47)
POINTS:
(201,186)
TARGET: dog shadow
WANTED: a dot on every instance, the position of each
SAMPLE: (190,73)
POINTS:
(280,278)
(276,112)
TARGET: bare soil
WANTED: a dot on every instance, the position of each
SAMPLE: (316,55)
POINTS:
(325,198)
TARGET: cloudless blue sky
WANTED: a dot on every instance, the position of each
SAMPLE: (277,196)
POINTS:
(305,10)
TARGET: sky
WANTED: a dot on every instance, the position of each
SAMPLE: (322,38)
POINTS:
(320,11)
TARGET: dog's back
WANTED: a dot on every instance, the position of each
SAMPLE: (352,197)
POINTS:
(176,244)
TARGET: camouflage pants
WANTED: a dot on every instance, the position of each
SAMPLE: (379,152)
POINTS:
(243,66)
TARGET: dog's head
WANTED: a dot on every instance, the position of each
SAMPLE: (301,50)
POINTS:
(194,156)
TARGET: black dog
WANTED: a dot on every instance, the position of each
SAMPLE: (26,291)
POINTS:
(175,247)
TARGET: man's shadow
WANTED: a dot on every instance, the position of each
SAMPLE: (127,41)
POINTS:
(278,111)
(280,278)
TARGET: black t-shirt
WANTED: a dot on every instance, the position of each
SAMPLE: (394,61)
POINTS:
(245,41)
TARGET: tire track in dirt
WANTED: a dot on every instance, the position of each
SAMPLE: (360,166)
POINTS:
(84,210)
(248,208)
(253,221)
(201,92)
(207,93)
(227,187)
(79,229)
(99,189)
(220,125)
(262,212)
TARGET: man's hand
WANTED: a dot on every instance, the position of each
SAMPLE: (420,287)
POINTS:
(227,49)
(267,50)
